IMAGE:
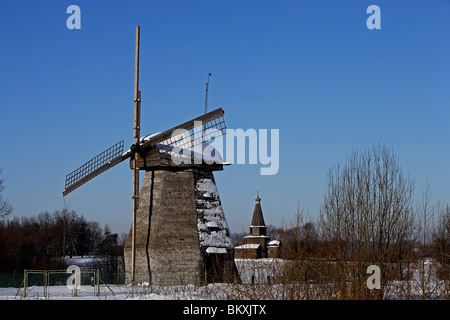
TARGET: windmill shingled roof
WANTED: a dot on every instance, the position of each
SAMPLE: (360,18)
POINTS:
(258,219)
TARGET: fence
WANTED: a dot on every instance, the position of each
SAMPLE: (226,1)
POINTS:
(49,279)
(52,277)
(14,279)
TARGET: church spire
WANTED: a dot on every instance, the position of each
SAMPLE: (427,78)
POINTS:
(258,219)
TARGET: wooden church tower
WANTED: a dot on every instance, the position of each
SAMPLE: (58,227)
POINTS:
(257,243)
(258,227)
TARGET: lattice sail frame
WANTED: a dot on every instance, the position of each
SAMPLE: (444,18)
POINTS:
(189,134)
(199,134)
(93,167)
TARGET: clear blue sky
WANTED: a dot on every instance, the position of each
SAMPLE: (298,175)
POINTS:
(311,69)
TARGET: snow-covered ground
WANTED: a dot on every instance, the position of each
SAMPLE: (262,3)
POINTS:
(260,269)
(256,283)
(110,292)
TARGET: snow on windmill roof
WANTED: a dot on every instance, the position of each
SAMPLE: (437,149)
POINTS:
(206,151)
(216,250)
(212,227)
(147,137)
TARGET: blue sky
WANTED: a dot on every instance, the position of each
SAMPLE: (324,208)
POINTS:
(311,69)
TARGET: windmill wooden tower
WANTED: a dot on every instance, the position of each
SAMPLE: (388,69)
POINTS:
(178,232)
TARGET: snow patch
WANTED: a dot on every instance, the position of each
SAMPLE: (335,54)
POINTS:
(212,227)
(274,243)
(248,246)
(216,250)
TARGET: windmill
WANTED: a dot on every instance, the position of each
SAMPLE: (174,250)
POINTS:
(178,231)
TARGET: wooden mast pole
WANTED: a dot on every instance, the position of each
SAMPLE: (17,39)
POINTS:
(136,129)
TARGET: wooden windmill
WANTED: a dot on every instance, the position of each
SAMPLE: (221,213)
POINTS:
(178,233)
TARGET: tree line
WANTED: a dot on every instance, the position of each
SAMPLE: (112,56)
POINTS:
(43,241)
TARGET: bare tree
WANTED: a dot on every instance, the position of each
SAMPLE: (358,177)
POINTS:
(441,242)
(5,207)
(367,212)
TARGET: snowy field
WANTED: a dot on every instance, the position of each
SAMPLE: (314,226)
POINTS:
(112,292)
(260,268)
(255,276)
(188,292)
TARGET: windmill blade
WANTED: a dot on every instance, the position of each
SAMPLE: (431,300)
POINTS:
(100,163)
(189,134)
